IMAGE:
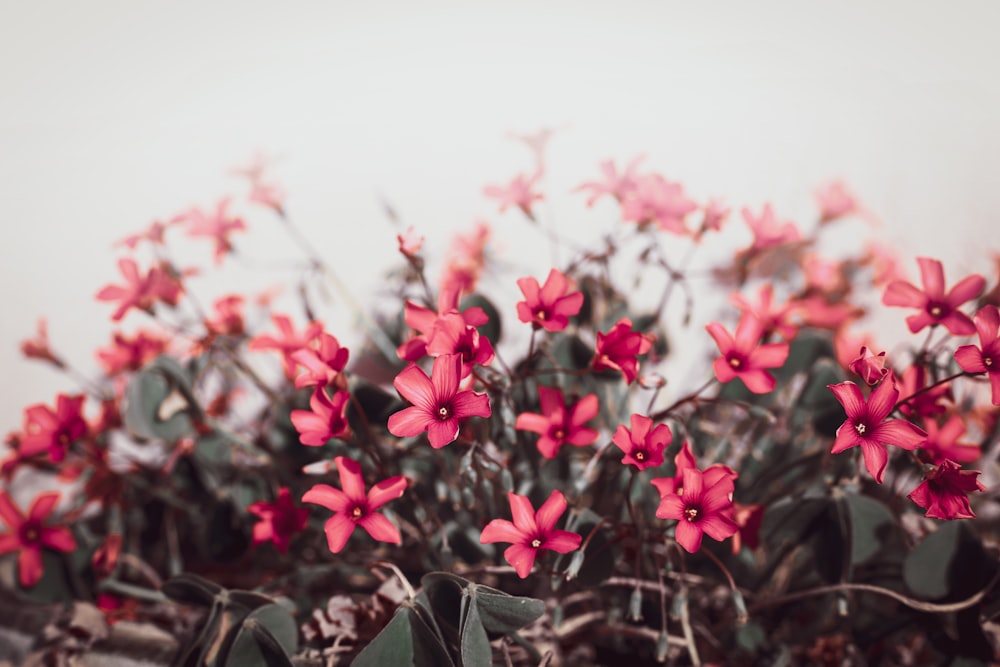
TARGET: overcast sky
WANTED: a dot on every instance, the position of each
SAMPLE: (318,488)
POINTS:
(117,113)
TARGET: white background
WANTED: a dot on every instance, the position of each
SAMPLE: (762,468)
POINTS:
(116,113)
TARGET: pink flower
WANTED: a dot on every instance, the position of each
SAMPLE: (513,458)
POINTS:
(820,312)
(323,366)
(643,445)
(684,460)
(140,292)
(936,307)
(884,262)
(866,425)
(53,430)
(153,233)
(352,507)
(410,243)
(424,321)
(835,201)
(38,347)
(519,192)
(287,342)
(986,357)
(466,259)
(618,185)
(744,357)
(279,520)
(944,491)
(773,318)
(715,215)
(453,335)
(557,425)
(550,306)
(918,401)
(30,534)
(270,195)
(228,320)
(700,508)
(130,354)
(531,531)
(217,227)
(654,199)
(438,406)
(617,350)
(823,276)
(942,442)
(768,232)
(871,367)
(326,418)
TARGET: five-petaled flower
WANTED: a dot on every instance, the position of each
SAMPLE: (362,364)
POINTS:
(558,425)
(767,231)
(944,491)
(326,418)
(130,353)
(942,441)
(702,506)
(53,430)
(287,342)
(531,531)
(866,424)
(655,199)
(217,227)
(438,405)
(936,306)
(986,357)
(548,306)
(618,185)
(324,365)
(642,444)
(279,520)
(744,357)
(140,292)
(519,192)
(352,507)
(31,533)
(617,350)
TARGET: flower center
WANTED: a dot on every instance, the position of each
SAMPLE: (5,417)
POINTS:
(535,543)
(640,456)
(356,513)
(691,513)
(63,439)
(558,434)
(735,362)
(935,311)
(444,413)
(541,315)
(860,428)
(987,361)
(30,534)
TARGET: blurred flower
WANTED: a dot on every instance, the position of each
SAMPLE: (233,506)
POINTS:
(619,348)
(30,534)
(744,357)
(618,185)
(410,243)
(871,367)
(935,305)
(654,199)
(773,318)
(322,366)
(279,520)
(326,418)
(835,201)
(53,430)
(287,342)
(550,306)
(942,441)
(140,292)
(767,231)
(519,192)
(130,354)
(38,347)
(215,226)
(558,425)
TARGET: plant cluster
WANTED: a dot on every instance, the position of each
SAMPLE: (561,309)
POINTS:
(441,495)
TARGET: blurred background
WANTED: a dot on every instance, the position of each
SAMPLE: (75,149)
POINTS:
(114,114)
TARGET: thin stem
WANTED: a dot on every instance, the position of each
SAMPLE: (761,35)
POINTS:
(693,396)
(926,389)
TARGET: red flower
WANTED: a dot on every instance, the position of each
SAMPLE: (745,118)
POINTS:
(531,531)
(217,227)
(324,365)
(519,192)
(558,425)
(643,445)
(140,292)
(776,319)
(684,460)
(942,442)
(768,232)
(871,367)
(287,342)
(38,348)
(944,491)
(453,335)
(936,307)
(655,199)
(326,418)
(550,306)
(617,350)
(986,358)
(438,406)
(130,354)
(700,507)
(352,507)
(866,425)
(917,402)
(278,520)
(53,430)
(30,534)
(424,321)
(744,357)
(749,518)
(228,319)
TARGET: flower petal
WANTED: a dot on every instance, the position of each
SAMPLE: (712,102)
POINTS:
(501,530)
(722,338)
(562,541)
(414,385)
(42,506)
(900,433)
(882,400)
(327,496)
(758,381)
(970,358)
(470,404)
(550,511)
(381,529)
(387,490)
(58,538)
(902,293)
(847,437)
(9,512)
(521,557)
(850,397)
(688,535)
(523,513)
(445,376)
(932,277)
(409,422)
(876,458)
(442,432)
(351,481)
(338,530)
(29,566)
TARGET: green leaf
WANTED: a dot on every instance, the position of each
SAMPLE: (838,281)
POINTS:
(158,401)
(492,330)
(406,641)
(444,593)
(870,523)
(280,638)
(476,651)
(503,613)
(949,564)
